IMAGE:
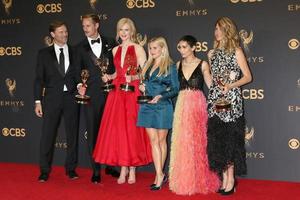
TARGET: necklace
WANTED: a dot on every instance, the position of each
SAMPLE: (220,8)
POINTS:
(195,60)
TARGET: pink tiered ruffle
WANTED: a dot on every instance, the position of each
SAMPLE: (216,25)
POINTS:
(189,170)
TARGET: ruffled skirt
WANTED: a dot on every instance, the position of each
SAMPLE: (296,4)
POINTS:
(189,169)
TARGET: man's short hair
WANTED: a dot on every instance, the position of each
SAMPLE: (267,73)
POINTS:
(56,24)
(95,18)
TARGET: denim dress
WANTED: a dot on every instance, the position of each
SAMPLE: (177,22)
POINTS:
(159,115)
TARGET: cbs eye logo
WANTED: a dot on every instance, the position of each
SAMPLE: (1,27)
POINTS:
(294,44)
(14,132)
(49,8)
(245,1)
(10,51)
(140,4)
(294,143)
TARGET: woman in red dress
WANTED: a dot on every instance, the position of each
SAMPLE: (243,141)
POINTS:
(120,141)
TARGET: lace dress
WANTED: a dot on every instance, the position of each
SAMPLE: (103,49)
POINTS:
(226,129)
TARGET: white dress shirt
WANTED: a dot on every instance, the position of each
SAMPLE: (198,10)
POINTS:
(66,54)
(96,47)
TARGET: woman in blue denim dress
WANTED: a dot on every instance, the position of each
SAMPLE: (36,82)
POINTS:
(161,82)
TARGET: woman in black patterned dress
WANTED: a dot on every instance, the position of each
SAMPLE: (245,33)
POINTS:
(226,127)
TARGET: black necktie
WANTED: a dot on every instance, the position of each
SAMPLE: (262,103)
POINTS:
(94,41)
(62,60)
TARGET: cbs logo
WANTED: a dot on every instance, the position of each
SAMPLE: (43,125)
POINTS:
(294,44)
(253,94)
(201,46)
(245,1)
(140,4)
(14,132)
(10,51)
(49,8)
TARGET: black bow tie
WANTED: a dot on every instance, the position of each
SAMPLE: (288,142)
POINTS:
(94,41)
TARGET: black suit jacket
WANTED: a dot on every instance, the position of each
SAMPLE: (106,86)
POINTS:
(87,61)
(49,76)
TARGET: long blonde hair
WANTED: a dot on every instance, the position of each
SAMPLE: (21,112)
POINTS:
(166,60)
(131,25)
(231,38)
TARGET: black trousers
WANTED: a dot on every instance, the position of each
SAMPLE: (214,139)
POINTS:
(55,107)
(93,114)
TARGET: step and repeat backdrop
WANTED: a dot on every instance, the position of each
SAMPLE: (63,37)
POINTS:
(270,36)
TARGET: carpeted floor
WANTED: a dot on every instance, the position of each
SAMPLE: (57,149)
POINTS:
(19,181)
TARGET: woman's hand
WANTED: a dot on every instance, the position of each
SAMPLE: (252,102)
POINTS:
(225,88)
(142,87)
(128,78)
(81,89)
(105,78)
(155,99)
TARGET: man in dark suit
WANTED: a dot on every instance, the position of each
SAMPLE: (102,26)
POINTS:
(54,90)
(92,47)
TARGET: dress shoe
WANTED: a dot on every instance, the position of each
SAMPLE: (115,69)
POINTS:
(112,171)
(43,177)
(96,179)
(72,174)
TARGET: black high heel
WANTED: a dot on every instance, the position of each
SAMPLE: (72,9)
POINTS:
(154,188)
(220,190)
(165,180)
(230,191)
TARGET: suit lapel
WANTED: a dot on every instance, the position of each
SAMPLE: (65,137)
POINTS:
(104,47)
(55,61)
(87,46)
(89,51)
(70,49)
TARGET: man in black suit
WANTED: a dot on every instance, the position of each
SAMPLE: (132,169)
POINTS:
(92,47)
(54,90)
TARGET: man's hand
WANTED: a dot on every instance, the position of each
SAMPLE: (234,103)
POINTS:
(38,110)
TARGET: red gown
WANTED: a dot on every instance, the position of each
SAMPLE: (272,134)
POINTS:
(120,142)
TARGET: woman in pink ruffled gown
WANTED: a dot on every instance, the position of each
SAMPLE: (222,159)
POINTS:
(189,169)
